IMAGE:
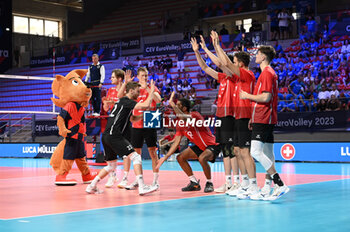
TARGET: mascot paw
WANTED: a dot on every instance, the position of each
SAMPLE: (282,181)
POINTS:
(88,178)
(62,180)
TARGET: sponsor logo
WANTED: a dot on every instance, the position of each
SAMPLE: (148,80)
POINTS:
(192,122)
(287,151)
(152,119)
(345,151)
(41,149)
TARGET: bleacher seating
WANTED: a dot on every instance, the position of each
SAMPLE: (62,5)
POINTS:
(127,21)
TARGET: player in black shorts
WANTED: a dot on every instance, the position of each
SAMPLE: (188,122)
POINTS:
(224,112)
(140,134)
(244,79)
(116,137)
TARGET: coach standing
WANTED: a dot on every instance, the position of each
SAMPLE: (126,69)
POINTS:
(96,76)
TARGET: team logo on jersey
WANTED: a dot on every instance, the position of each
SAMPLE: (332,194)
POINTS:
(152,119)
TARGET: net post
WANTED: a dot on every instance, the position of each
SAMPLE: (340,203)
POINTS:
(10,128)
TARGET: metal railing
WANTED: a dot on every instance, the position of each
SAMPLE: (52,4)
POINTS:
(20,124)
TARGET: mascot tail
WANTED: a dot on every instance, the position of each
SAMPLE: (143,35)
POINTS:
(57,156)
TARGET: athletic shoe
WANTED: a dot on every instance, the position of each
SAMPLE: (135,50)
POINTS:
(278,191)
(62,180)
(156,184)
(252,190)
(111,180)
(223,188)
(209,187)
(123,184)
(192,186)
(95,114)
(132,186)
(147,189)
(93,190)
(234,190)
(264,193)
(88,178)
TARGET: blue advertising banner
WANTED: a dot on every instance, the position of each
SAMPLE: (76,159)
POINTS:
(312,121)
(46,128)
(81,53)
(38,150)
(312,152)
(49,127)
(27,150)
(165,48)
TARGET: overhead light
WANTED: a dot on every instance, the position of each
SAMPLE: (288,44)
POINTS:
(7,29)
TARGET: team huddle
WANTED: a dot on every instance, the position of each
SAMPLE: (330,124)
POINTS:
(247,111)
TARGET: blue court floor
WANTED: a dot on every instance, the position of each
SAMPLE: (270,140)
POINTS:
(318,206)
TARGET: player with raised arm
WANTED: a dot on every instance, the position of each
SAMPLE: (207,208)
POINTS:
(204,150)
(108,102)
(140,134)
(225,113)
(116,137)
(245,80)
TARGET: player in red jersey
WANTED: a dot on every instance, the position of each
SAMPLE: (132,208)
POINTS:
(245,80)
(264,118)
(204,150)
(225,112)
(139,134)
(117,79)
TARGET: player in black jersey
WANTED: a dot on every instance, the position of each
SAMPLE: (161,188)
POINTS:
(116,137)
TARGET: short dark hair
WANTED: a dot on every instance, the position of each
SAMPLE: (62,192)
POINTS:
(186,103)
(119,73)
(243,57)
(132,85)
(268,51)
(230,56)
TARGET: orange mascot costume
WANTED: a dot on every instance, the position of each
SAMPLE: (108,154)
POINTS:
(73,97)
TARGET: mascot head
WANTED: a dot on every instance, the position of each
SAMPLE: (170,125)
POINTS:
(71,89)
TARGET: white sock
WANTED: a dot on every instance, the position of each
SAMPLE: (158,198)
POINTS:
(236,179)
(209,180)
(139,179)
(155,177)
(193,179)
(228,179)
(95,181)
(112,174)
(245,180)
(252,181)
(268,182)
(125,177)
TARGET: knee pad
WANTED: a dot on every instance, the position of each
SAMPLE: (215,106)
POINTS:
(136,158)
(268,151)
(258,154)
(111,166)
(227,150)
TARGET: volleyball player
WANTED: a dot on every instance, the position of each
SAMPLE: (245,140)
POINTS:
(264,118)
(245,80)
(116,137)
(225,112)
(204,149)
(140,134)
(117,78)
